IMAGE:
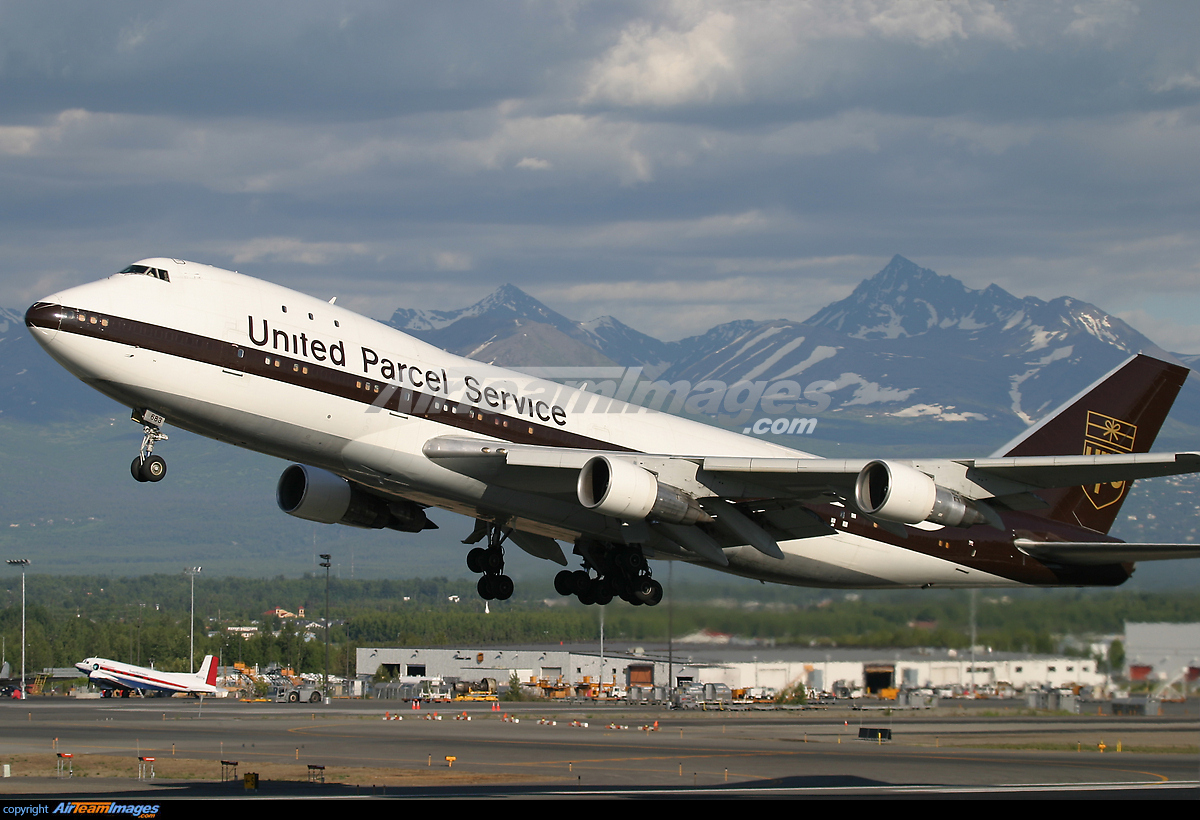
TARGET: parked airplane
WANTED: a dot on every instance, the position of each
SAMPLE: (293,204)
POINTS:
(384,426)
(119,679)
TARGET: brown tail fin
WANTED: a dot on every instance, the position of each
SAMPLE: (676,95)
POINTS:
(1121,413)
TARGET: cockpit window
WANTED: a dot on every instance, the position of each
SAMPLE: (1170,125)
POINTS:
(144,270)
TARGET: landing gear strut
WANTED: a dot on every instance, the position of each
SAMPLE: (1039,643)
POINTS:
(494,585)
(147,466)
(621,571)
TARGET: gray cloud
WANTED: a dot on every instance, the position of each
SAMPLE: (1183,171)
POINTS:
(674,164)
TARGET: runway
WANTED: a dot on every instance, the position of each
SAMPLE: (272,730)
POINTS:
(585,749)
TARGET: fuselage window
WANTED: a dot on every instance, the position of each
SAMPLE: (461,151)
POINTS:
(284,308)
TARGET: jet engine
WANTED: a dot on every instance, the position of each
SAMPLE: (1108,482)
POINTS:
(897,492)
(627,491)
(319,495)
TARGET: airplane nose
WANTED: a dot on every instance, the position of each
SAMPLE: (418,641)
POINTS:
(43,319)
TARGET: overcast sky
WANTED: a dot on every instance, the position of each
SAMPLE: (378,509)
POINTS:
(675,165)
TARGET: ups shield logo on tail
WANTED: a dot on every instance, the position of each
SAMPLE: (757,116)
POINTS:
(1106,435)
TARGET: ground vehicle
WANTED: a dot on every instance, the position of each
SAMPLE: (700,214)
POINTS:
(284,691)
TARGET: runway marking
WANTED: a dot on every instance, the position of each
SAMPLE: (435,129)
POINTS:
(701,753)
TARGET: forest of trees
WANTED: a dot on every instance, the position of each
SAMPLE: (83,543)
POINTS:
(145,619)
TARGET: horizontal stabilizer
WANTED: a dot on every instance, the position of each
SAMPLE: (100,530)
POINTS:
(1104,552)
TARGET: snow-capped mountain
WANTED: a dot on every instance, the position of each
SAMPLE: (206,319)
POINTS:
(509,327)
(909,343)
(906,344)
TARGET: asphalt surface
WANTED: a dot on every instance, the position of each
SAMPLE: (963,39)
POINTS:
(584,750)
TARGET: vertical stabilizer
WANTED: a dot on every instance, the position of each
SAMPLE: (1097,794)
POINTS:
(208,670)
(1120,413)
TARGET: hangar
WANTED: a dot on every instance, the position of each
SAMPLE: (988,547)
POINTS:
(585,669)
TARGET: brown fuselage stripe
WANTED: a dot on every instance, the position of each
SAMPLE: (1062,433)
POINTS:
(995,555)
(267,364)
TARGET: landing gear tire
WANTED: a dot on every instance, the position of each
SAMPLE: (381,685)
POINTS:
(649,592)
(484,587)
(504,587)
(154,468)
(495,587)
(476,559)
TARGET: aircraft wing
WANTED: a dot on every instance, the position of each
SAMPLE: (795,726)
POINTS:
(737,477)
(105,679)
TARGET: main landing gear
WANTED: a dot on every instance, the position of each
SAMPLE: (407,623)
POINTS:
(494,585)
(147,466)
(621,571)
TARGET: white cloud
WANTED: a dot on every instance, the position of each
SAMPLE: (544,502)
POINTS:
(452,260)
(655,65)
(1097,18)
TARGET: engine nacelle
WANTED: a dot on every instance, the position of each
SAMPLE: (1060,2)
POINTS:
(623,490)
(319,495)
(897,492)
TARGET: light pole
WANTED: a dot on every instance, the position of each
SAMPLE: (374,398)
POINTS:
(325,562)
(192,572)
(22,563)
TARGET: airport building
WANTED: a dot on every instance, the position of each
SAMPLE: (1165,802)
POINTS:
(583,669)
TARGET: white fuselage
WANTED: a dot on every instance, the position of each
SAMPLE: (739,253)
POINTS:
(111,674)
(273,370)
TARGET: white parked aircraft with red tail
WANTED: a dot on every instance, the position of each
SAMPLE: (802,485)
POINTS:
(382,426)
(119,679)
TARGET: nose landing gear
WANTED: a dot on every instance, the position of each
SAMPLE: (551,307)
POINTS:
(147,466)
